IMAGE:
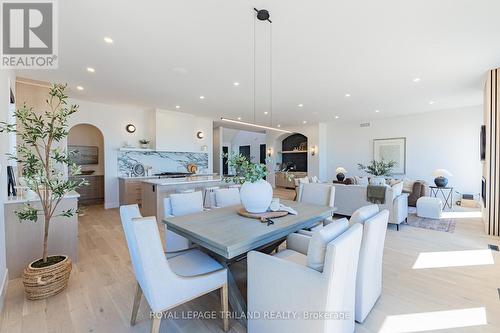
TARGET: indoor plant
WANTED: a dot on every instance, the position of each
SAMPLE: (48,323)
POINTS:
(256,194)
(378,169)
(144,143)
(42,160)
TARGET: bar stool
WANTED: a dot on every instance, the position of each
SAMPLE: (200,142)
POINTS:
(209,196)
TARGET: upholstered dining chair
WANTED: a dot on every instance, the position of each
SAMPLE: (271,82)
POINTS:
(323,281)
(369,277)
(179,204)
(168,283)
(317,194)
(225,197)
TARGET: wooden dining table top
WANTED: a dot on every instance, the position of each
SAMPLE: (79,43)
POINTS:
(224,232)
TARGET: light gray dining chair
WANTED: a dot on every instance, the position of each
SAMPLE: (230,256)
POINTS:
(226,197)
(167,283)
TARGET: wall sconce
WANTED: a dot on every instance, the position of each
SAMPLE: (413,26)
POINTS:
(130,128)
(269,152)
(314,150)
(200,135)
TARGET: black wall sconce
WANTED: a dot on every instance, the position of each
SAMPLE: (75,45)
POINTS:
(130,128)
(200,135)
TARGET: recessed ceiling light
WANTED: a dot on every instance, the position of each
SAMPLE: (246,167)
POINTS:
(304,121)
(90,69)
(108,40)
(202,97)
(239,118)
(377,111)
(79,88)
(265,112)
(337,117)
(417,79)
(236,84)
(278,125)
(431,102)
(347,95)
(177,106)
(300,105)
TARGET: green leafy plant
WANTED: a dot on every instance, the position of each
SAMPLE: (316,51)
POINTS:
(245,170)
(42,162)
(378,168)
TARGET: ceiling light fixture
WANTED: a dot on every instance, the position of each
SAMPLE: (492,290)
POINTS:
(417,79)
(90,70)
(177,106)
(377,111)
(304,122)
(431,102)
(108,40)
(278,125)
(202,97)
(239,118)
(236,84)
(300,105)
(347,95)
(79,88)
(265,112)
(254,125)
(337,117)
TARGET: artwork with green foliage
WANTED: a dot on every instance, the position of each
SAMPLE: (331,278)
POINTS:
(43,162)
(378,168)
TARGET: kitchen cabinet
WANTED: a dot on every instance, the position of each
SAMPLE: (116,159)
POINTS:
(130,191)
(93,193)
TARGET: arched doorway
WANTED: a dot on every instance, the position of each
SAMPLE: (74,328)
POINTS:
(87,144)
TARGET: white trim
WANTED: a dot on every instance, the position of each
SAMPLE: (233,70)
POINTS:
(3,290)
(109,205)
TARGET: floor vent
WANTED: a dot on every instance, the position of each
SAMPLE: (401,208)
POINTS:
(493,247)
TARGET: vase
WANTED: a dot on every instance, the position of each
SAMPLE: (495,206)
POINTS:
(441,181)
(43,282)
(340,177)
(145,145)
(256,197)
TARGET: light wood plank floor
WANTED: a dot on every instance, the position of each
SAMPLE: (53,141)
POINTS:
(101,289)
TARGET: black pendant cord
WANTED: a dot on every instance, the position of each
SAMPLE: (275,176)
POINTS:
(254,69)
(271,71)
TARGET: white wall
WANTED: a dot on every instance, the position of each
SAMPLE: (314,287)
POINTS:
(7,80)
(252,139)
(447,139)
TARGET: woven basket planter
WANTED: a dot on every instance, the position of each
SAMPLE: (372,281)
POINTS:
(43,282)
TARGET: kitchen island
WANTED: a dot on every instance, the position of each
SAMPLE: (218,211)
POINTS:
(155,190)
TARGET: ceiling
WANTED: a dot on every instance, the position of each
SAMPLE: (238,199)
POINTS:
(168,53)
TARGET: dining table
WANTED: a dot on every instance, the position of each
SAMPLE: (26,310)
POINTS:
(228,236)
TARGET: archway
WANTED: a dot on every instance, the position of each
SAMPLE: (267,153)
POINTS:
(87,144)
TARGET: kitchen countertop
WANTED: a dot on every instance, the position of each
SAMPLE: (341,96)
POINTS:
(16,200)
(165,177)
(184,180)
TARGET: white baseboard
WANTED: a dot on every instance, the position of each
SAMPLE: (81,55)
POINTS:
(3,290)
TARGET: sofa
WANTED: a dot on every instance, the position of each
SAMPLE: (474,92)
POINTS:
(348,198)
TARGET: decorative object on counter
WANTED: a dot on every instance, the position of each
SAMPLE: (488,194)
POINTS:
(139,170)
(340,171)
(256,193)
(393,149)
(41,132)
(144,143)
(192,168)
(200,135)
(204,148)
(160,160)
(130,128)
(440,177)
(11,182)
(148,170)
(378,168)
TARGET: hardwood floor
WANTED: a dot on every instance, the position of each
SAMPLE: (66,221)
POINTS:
(100,294)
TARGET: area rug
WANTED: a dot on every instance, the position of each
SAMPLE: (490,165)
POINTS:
(446,225)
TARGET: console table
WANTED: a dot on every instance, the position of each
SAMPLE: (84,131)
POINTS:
(446,193)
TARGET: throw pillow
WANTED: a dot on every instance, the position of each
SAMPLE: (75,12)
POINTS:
(407,185)
(377,181)
(361,180)
(397,189)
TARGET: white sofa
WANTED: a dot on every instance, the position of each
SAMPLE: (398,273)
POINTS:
(348,198)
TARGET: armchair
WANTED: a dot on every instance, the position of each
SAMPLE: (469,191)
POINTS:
(329,290)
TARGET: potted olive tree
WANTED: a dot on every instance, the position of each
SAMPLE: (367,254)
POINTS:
(43,161)
(256,194)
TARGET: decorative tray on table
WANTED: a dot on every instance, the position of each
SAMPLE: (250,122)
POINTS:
(263,217)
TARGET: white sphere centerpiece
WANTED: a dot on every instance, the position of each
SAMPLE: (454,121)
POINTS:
(256,194)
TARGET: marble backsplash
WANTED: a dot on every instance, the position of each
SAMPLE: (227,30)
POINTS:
(160,161)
